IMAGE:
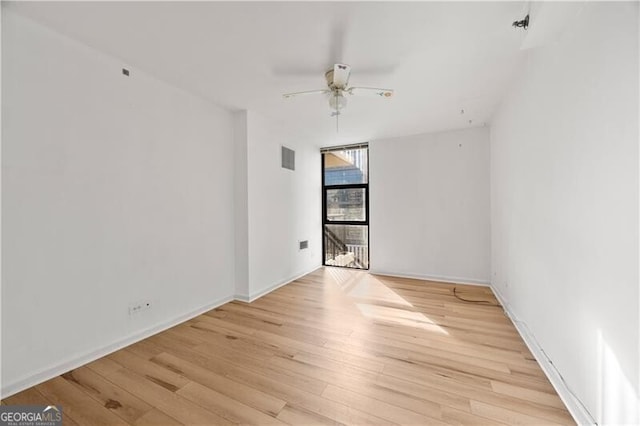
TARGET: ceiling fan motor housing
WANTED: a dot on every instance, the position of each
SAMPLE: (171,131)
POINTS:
(329,77)
(342,79)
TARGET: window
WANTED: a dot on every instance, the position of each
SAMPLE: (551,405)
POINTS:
(345,204)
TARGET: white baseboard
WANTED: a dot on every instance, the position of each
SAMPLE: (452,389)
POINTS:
(61,368)
(242,298)
(438,278)
(575,407)
(258,294)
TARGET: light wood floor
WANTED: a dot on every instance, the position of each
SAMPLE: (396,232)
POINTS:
(336,346)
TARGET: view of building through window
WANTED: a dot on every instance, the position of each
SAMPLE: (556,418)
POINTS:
(345,201)
(346,204)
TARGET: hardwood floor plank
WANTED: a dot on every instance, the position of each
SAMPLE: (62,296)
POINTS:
(334,347)
(387,411)
(505,415)
(325,358)
(246,395)
(299,416)
(117,400)
(169,402)
(226,362)
(463,418)
(159,375)
(156,418)
(29,396)
(544,398)
(77,404)
(226,407)
(478,350)
(104,366)
(485,394)
(315,372)
(417,404)
(422,391)
(279,384)
(145,349)
(338,411)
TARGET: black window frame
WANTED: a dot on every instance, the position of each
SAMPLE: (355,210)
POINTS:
(326,188)
(325,220)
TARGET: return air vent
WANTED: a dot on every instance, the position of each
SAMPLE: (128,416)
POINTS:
(288,158)
(303,244)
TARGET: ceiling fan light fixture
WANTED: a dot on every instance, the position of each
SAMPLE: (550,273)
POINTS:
(337,101)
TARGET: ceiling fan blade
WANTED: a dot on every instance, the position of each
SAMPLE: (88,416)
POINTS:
(377,71)
(373,91)
(308,92)
(337,40)
(296,71)
(341,74)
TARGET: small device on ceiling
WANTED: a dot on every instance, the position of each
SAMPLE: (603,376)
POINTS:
(524,23)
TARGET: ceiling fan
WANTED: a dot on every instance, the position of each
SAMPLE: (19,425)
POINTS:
(338,86)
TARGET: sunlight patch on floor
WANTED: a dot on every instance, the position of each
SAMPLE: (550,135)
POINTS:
(376,301)
(372,289)
(344,277)
(399,317)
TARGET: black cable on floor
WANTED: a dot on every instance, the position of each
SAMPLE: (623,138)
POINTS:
(483,302)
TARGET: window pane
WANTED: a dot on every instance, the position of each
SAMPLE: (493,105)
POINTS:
(346,204)
(345,167)
(346,245)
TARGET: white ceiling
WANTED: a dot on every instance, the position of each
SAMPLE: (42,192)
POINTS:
(440,57)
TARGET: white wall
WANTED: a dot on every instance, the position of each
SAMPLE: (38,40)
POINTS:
(564,186)
(429,208)
(241,201)
(284,207)
(114,189)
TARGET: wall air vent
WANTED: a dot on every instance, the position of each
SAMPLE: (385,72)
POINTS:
(303,244)
(288,158)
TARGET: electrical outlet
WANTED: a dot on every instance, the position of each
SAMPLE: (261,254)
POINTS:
(139,306)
